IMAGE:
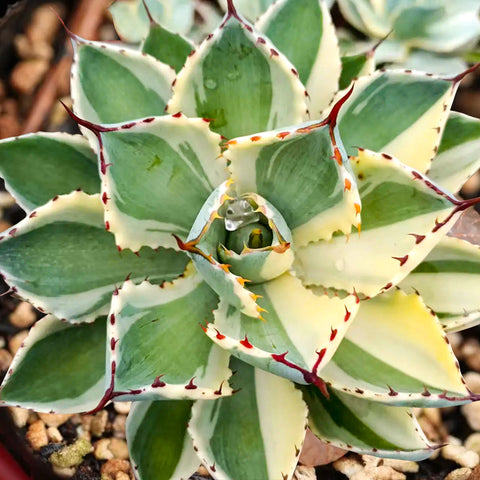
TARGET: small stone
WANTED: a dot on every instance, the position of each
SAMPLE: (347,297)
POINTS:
(472,380)
(16,341)
(305,473)
(37,435)
(473,442)
(28,74)
(349,466)
(460,455)
(118,426)
(54,419)
(122,476)
(111,467)
(65,472)
(71,455)
(23,316)
(98,423)
(5,359)
(405,466)
(459,474)
(32,417)
(315,452)
(27,49)
(101,449)
(122,407)
(381,472)
(202,471)
(475,474)
(6,200)
(119,448)
(44,24)
(471,412)
(54,435)
(19,416)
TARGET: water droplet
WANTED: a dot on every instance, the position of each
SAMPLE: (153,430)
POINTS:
(233,75)
(210,83)
(340,264)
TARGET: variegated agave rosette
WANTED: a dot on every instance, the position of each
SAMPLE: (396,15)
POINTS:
(290,248)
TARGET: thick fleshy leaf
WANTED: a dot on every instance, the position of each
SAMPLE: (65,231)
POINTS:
(131,18)
(256,433)
(354,66)
(166,46)
(404,216)
(103,74)
(396,352)
(250,9)
(239,80)
(364,426)
(459,153)
(301,331)
(151,328)
(62,260)
(313,48)
(157,173)
(449,281)
(305,173)
(207,234)
(37,167)
(377,116)
(59,367)
(159,444)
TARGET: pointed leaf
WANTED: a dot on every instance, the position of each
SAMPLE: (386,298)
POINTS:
(396,352)
(37,167)
(300,332)
(304,172)
(59,367)
(313,49)
(404,216)
(177,164)
(354,66)
(63,261)
(250,9)
(159,444)
(365,427)
(240,82)
(151,329)
(449,281)
(377,116)
(257,433)
(166,46)
(459,153)
(103,73)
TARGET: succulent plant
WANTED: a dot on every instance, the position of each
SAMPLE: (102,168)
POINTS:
(173,249)
(419,33)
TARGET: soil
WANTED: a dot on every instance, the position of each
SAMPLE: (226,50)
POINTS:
(29,102)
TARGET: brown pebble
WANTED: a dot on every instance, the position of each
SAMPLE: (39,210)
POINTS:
(119,448)
(27,49)
(5,359)
(122,476)
(460,474)
(475,473)
(98,423)
(44,24)
(202,471)
(54,435)
(23,316)
(9,127)
(118,426)
(19,416)
(37,435)
(17,340)
(101,449)
(111,467)
(122,407)
(28,74)
(54,419)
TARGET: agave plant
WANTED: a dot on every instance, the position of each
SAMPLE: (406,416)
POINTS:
(177,248)
(422,34)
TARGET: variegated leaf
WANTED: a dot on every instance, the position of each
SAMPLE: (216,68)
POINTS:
(305,173)
(377,116)
(256,433)
(159,444)
(300,332)
(312,49)
(250,9)
(396,352)
(354,66)
(449,281)
(62,260)
(364,426)
(59,367)
(103,73)
(239,80)
(157,173)
(166,46)
(37,167)
(149,330)
(404,216)
(459,153)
